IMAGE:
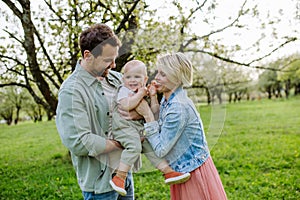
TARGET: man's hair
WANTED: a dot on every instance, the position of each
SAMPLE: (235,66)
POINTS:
(95,37)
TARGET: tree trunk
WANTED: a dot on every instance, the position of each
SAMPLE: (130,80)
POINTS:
(230,97)
(17,114)
(287,88)
(219,95)
(208,96)
(297,89)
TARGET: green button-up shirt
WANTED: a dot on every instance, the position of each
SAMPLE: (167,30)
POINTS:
(82,120)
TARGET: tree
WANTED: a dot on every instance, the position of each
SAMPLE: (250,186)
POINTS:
(47,63)
(13,100)
(268,82)
(237,83)
(45,51)
(291,77)
(6,106)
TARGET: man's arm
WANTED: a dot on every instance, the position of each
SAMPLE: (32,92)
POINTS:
(74,127)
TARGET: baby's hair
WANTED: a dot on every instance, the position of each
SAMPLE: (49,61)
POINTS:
(133,63)
(177,67)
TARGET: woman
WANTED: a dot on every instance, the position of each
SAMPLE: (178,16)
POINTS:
(178,134)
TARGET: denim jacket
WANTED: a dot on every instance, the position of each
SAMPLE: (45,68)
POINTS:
(178,135)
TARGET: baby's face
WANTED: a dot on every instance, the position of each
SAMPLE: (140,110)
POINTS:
(134,78)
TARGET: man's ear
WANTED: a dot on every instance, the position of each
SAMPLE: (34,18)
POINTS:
(87,55)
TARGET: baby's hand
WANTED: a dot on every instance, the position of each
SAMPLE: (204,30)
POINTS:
(152,88)
(143,91)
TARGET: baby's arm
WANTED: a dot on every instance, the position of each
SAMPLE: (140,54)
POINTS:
(131,102)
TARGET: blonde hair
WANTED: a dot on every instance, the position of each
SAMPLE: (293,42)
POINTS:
(177,67)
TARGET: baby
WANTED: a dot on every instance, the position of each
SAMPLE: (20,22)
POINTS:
(130,132)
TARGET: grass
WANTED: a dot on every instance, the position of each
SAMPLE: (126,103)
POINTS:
(255,147)
(258,155)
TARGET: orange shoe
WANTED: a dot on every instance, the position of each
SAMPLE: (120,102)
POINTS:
(176,177)
(118,185)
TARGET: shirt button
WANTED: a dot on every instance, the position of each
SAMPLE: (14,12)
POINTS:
(106,132)
(107,113)
(102,93)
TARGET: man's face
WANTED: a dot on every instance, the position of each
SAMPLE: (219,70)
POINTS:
(100,66)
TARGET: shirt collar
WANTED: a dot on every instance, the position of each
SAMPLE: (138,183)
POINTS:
(84,75)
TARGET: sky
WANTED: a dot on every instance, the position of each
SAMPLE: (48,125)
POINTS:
(246,38)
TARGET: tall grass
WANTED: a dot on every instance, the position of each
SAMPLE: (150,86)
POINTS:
(256,154)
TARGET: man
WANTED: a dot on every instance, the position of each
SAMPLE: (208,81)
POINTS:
(83,115)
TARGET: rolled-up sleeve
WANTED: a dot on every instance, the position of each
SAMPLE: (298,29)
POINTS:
(151,128)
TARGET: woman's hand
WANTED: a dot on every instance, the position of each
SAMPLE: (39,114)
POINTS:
(152,88)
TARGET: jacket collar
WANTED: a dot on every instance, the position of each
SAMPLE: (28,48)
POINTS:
(178,90)
(84,75)
(113,78)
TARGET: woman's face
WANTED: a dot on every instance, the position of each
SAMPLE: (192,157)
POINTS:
(163,84)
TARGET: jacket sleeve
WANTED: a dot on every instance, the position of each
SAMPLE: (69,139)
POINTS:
(74,126)
(164,136)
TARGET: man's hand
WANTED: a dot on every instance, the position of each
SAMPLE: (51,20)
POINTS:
(142,138)
(116,144)
(112,145)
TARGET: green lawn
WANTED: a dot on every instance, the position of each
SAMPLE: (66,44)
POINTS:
(255,146)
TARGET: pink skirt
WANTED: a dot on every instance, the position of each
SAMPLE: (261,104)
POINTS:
(204,184)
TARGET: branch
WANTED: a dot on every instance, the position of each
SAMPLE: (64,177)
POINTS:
(13,59)
(195,38)
(51,79)
(229,25)
(119,5)
(126,17)
(17,71)
(192,13)
(57,15)
(283,44)
(185,22)
(292,61)
(93,9)
(215,55)
(12,84)
(12,6)
(13,36)
(48,58)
